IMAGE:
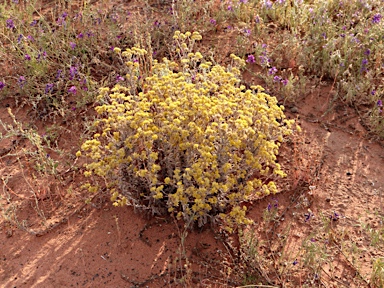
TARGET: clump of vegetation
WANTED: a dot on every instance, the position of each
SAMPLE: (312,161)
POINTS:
(194,141)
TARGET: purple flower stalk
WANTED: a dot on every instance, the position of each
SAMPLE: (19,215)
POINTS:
(2,85)
(27,57)
(379,102)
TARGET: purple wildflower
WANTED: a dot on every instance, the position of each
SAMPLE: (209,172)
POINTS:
(72,72)
(251,59)
(257,19)
(58,76)
(229,8)
(10,24)
(72,90)
(2,85)
(284,82)
(268,4)
(367,52)
(243,1)
(21,81)
(269,207)
(213,21)
(376,18)
(295,262)
(80,35)
(119,78)
(307,216)
(277,79)
(89,34)
(33,23)
(27,57)
(379,102)
(30,38)
(364,63)
(48,88)
(247,32)
(72,44)
(157,24)
(373,92)
(272,71)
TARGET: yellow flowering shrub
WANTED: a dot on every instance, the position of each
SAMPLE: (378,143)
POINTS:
(193,141)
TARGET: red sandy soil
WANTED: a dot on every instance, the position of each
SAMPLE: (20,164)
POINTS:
(98,245)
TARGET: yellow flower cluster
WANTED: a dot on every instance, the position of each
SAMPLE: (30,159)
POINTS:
(194,142)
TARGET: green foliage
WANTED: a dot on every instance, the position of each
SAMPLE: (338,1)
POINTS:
(194,141)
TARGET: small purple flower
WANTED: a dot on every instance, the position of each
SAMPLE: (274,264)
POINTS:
(30,38)
(335,216)
(229,8)
(247,32)
(58,76)
(307,216)
(119,78)
(80,35)
(277,79)
(373,92)
(376,18)
(295,262)
(19,38)
(10,24)
(251,59)
(72,72)
(379,103)
(33,23)
(264,46)
(72,44)
(257,19)
(272,71)
(269,207)
(268,4)
(72,90)
(212,21)
(367,52)
(243,1)
(364,63)
(324,35)
(2,85)
(21,81)
(48,88)
(89,34)
(157,24)
(27,57)
(276,203)
(284,82)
